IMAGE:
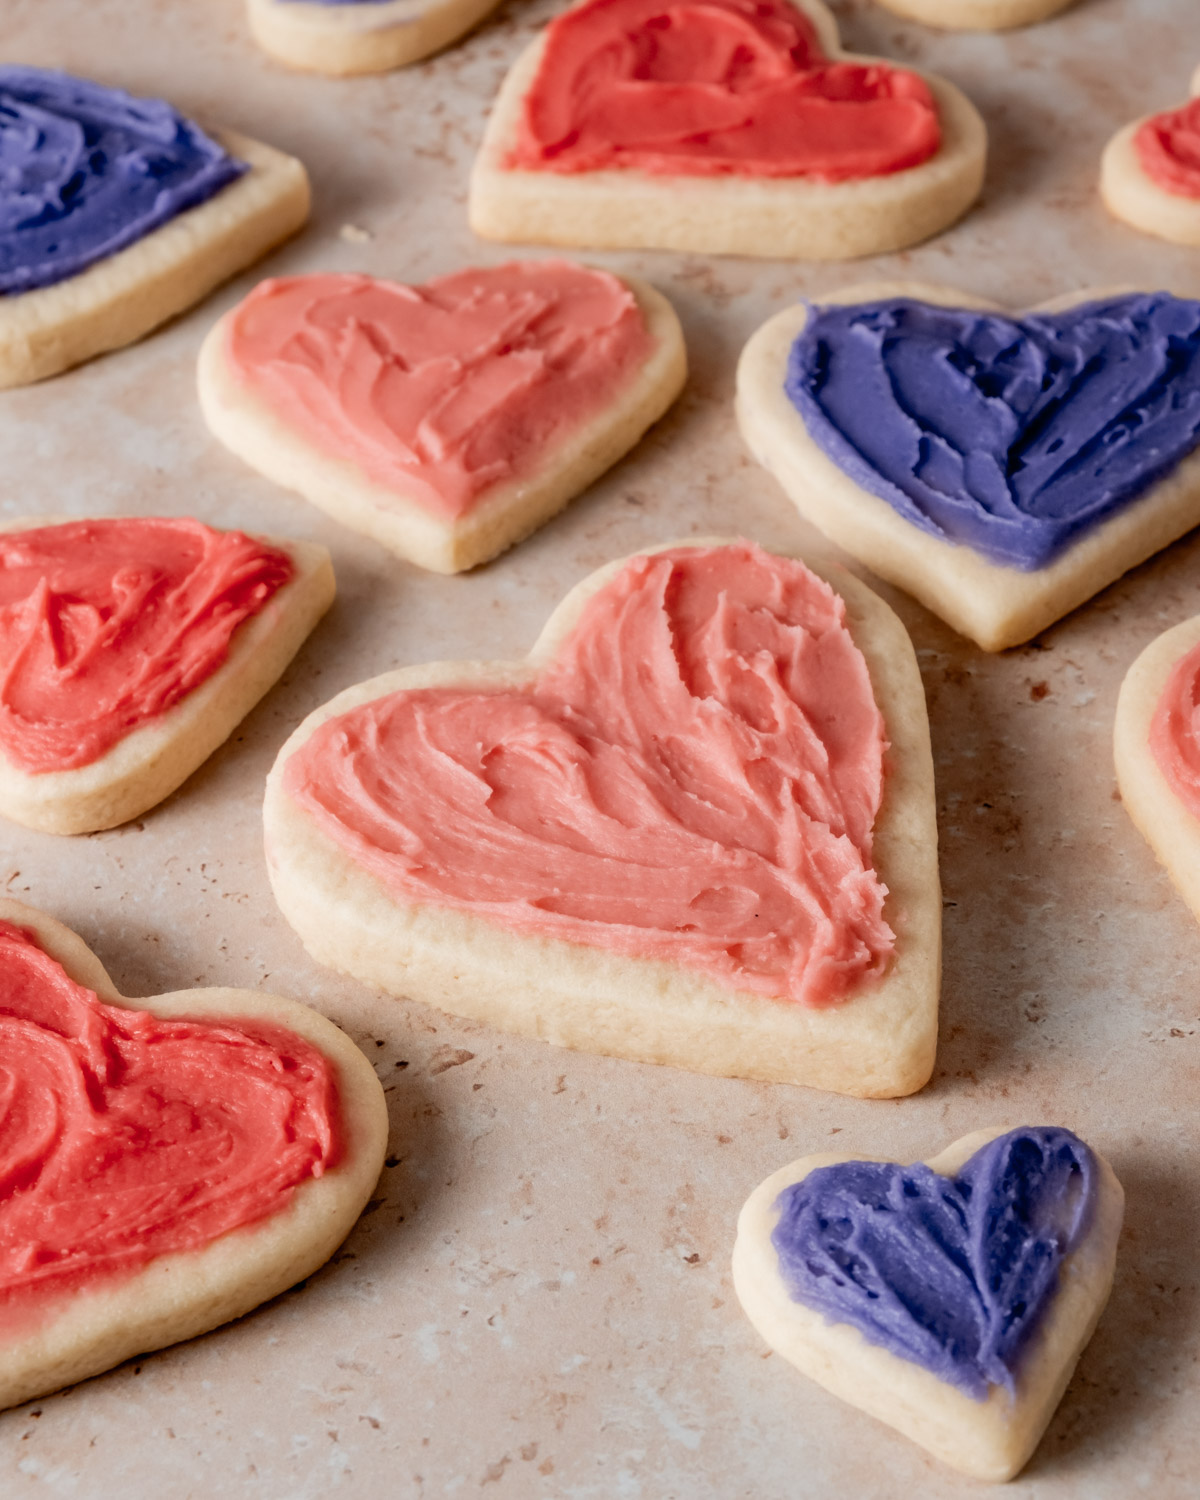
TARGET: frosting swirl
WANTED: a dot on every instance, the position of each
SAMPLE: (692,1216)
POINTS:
(1175,730)
(124,1136)
(106,624)
(694,777)
(952,1273)
(1008,435)
(1168,149)
(87,170)
(703,87)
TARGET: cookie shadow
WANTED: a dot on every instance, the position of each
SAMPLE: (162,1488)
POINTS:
(1147,1334)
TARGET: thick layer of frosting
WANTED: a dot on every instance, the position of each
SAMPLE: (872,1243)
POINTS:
(124,1137)
(704,87)
(106,624)
(86,171)
(1168,148)
(1008,435)
(694,777)
(1175,730)
(951,1273)
(446,390)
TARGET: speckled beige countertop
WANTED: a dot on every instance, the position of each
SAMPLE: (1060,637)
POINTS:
(538,1302)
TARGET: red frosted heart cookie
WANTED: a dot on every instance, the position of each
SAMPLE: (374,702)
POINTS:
(734,126)
(1150,172)
(130,647)
(447,420)
(164,1166)
(695,826)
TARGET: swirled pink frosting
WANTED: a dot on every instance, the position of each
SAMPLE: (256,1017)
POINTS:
(1175,730)
(694,776)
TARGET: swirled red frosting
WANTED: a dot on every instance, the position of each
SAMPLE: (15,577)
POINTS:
(708,87)
(1168,148)
(106,624)
(1175,730)
(124,1137)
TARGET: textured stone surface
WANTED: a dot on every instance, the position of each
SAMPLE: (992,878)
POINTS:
(538,1299)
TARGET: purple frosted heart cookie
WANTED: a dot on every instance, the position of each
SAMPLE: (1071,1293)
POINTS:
(118,212)
(950,1299)
(1001,468)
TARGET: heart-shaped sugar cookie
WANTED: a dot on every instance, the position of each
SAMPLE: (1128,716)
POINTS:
(450,420)
(950,1299)
(1157,752)
(118,213)
(345,37)
(734,127)
(1001,468)
(1150,172)
(130,648)
(695,826)
(166,1165)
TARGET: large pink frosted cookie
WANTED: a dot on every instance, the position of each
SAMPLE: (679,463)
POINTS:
(735,127)
(130,648)
(951,1298)
(448,420)
(694,826)
(1150,172)
(1156,743)
(166,1164)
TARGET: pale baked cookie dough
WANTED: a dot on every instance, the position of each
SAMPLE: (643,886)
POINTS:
(504,512)
(360,38)
(780,218)
(878,1042)
(158,756)
(996,606)
(1170,828)
(989,1439)
(181,1294)
(120,298)
(1131,195)
(977,15)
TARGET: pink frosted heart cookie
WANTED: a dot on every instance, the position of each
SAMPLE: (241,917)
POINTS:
(449,420)
(359,36)
(1150,172)
(694,826)
(130,648)
(951,1298)
(735,127)
(168,1164)
(1156,744)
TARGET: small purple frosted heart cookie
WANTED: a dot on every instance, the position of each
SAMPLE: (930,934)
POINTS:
(117,213)
(951,1299)
(1003,468)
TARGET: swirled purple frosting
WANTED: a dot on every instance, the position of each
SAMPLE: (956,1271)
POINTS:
(86,171)
(952,1273)
(1008,435)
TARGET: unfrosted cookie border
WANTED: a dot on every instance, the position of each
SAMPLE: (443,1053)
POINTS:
(180,1295)
(780,218)
(994,605)
(119,299)
(1170,828)
(1136,199)
(977,15)
(990,1439)
(151,761)
(350,39)
(506,514)
(879,1043)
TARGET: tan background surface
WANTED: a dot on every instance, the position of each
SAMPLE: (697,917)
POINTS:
(538,1301)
